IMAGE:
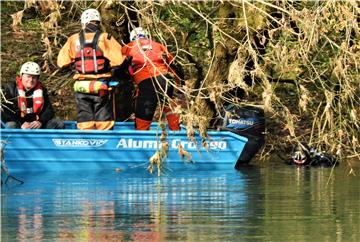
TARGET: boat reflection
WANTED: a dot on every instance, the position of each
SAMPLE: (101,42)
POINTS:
(125,206)
(273,203)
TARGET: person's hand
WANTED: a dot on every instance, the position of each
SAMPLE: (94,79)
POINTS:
(25,125)
(35,125)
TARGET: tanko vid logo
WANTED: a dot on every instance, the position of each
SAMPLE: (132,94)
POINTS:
(79,142)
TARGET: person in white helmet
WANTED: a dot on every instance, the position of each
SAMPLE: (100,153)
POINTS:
(155,75)
(27,104)
(94,55)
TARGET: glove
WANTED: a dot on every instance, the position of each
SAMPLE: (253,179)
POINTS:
(65,69)
(178,70)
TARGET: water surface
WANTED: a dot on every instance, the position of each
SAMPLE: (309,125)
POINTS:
(271,203)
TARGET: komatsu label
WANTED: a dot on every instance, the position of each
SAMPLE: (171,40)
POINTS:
(79,142)
(174,144)
(241,121)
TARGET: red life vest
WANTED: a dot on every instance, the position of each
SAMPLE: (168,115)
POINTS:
(90,59)
(37,99)
(148,59)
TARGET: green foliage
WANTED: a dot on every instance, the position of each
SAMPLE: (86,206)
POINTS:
(31,25)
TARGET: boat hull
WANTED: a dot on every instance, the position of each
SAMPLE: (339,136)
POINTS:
(121,148)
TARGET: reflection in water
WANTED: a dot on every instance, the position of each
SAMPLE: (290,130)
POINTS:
(310,205)
(274,203)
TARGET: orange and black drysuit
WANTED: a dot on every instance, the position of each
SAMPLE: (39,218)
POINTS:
(150,67)
(94,54)
(27,106)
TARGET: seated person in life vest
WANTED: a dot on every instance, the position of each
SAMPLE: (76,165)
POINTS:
(94,54)
(27,104)
(151,66)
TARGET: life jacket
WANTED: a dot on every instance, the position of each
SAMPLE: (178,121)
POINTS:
(37,99)
(90,58)
(148,59)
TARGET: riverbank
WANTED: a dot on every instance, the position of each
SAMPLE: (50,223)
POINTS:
(306,81)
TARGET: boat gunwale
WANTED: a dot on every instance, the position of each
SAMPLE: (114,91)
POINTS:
(121,131)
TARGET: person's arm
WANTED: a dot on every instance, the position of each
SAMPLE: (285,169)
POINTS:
(67,53)
(167,55)
(125,50)
(178,70)
(175,67)
(112,50)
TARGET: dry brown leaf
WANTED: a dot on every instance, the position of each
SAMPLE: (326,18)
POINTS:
(17,17)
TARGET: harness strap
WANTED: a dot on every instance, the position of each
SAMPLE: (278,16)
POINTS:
(82,44)
(94,45)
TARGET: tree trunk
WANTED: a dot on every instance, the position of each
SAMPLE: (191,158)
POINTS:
(224,54)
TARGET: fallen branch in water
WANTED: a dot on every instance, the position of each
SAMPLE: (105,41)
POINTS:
(4,169)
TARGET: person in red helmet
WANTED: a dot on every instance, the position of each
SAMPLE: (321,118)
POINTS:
(95,54)
(150,65)
(27,104)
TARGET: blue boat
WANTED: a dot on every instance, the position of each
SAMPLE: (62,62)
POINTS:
(122,148)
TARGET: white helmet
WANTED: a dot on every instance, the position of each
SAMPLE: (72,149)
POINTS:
(88,15)
(30,68)
(138,33)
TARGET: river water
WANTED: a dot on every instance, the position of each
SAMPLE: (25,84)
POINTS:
(274,202)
